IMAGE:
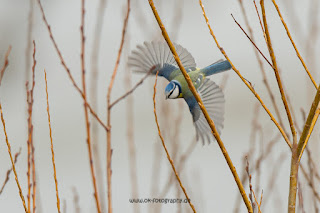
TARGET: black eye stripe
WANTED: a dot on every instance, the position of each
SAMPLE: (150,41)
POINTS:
(172,91)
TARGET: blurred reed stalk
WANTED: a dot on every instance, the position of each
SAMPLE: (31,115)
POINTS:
(95,56)
(130,137)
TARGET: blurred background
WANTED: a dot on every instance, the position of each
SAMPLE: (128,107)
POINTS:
(202,168)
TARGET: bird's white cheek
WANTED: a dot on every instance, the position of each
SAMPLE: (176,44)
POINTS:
(175,93)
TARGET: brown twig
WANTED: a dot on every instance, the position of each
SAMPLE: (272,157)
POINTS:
(203,109)
(182,159)
(129,92)
(29,153)
(261,198)
(272,178)
(243,79)
(52,151)
(311,175)
(67,69)
(32,142)
(109,150)
(261,25)
(165,148)
(82,56)
(93,93)
(132,153)
(302,145)
(76,200)
(6,63)
(310,183)
(29,40)
(252,42)
(9,171)
(31,160)
(250,184)
(293,44)
(12,162)
(300,196)
(264,76)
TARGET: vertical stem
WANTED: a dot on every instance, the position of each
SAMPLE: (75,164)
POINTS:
(276,72)
(52,151)
(94,100)
(115,70)
(86,107)
(293,180)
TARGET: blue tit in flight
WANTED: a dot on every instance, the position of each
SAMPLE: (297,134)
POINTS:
(158,57)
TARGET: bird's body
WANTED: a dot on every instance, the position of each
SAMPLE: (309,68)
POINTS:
(157,57)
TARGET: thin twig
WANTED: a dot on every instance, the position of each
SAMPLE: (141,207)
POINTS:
(203,109)
(264,76)
(9,171)
(93,93)
(76,200)
(52,151)
(165,148)
(82,57)
(310,183)
(308,127)
(31,160)
(252,42)
(29,152)
(250,185)
(109,150)
(273,177)
(12,162)
(251,189)
(261,198)
(29,39)
(132,151)
(182,159)
(244,80)
(6,63)
(261,25)
(131,90)
(300,196)
(293,44)
(67,69)
(32,142)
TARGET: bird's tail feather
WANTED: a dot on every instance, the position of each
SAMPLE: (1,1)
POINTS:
(217,67)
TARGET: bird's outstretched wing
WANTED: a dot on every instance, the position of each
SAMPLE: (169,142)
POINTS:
(158,57)
(213,99)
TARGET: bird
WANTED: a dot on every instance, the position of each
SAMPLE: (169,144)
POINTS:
(155,56)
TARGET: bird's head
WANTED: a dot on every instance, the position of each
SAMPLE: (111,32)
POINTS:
(173,90)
